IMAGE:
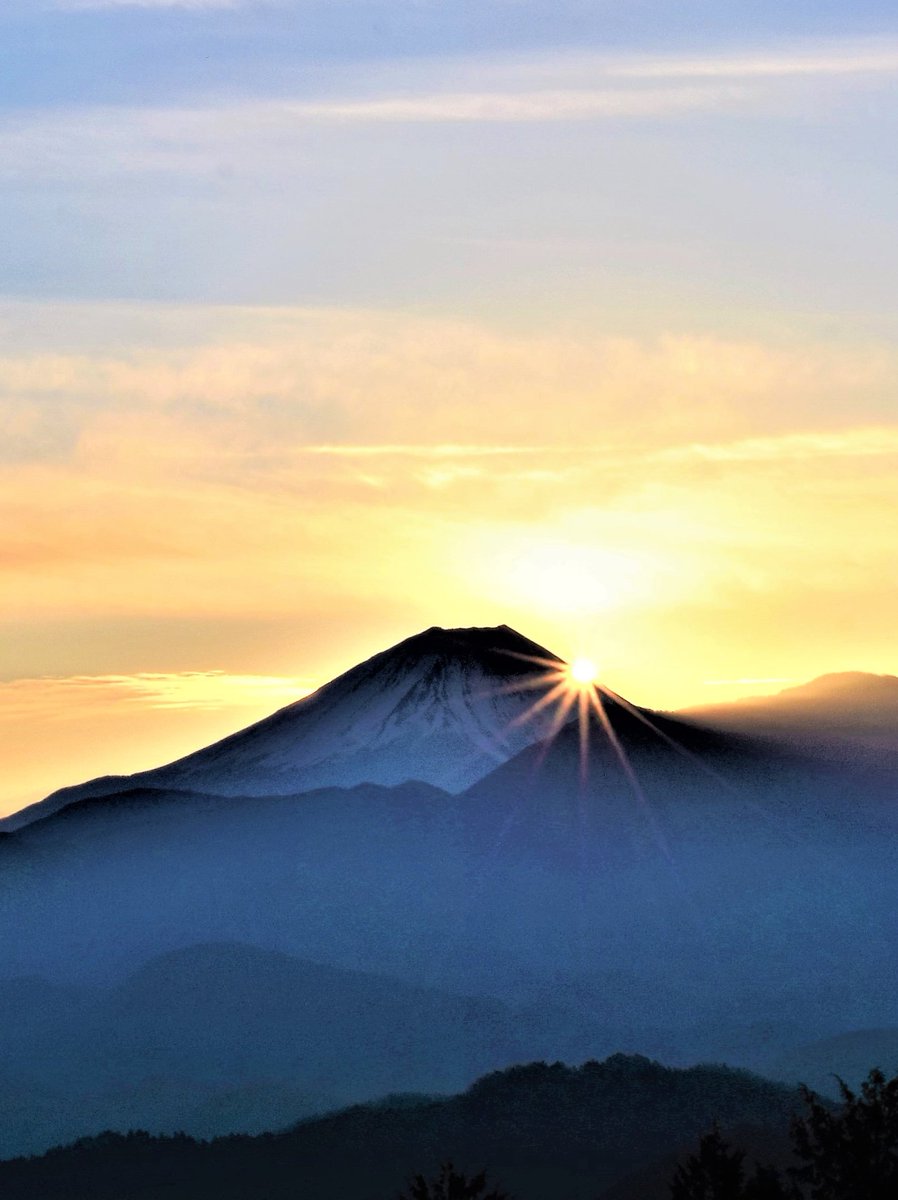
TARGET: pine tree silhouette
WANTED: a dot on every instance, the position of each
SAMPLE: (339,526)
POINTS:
(767,1184)
(846,1153)
(715,1173)
(452,1185)
(852,1153)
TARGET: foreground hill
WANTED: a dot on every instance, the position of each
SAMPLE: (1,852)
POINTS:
(545,1132)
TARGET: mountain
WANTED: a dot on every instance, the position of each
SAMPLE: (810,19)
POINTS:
(553,873)
(639,881)
(408,881)
(443,707)
(846,713)
(542,1131)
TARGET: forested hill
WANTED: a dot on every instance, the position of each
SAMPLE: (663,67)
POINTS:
(546,1132)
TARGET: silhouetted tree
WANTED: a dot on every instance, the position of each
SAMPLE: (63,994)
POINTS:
(767,1184)
(452,1185)
(846,1153)
(852,1153)
(715,1173)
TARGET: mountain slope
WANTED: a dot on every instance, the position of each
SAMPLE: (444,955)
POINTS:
(444,707)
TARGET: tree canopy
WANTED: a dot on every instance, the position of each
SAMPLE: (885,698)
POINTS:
(452,1185)
(848,1152)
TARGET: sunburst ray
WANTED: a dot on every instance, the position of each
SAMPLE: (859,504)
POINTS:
(523,683)
(538,705)
(698,761)
(665,737)
(559,718)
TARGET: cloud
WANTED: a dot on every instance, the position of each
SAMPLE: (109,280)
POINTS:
(230,464)
(836,57)
(549,104)
(197,5)
(197,690)
(233,140)
(878,441)
(251,138)
(278,394)
(116,724)
(421,450)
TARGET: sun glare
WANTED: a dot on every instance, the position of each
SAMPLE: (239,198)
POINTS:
(583,672)
(575,694)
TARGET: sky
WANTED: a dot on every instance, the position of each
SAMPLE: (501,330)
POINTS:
(324,322)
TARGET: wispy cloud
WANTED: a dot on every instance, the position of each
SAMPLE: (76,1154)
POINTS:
(146,718)
(264,401)
(880,441)
(92,5)
(837,57)
(199,690)
(549,104)
(264,136)
(267,134)
(747,681)
(865,442)
(423,450)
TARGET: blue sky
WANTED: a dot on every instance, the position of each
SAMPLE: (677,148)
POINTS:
(78,50)
(452,155)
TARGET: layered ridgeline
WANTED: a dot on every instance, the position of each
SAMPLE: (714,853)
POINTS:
(637,882)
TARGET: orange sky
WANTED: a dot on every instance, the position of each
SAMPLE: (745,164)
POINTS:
(219,509)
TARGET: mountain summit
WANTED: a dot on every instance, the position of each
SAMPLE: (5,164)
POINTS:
(443,707)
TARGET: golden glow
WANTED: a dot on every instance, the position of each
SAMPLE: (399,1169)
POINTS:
(577,569)
(237,493)
(584,672)
(146,719)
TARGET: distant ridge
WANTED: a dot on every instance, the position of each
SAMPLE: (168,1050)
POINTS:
(836,711)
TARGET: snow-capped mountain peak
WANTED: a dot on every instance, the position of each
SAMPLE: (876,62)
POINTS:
(444,706)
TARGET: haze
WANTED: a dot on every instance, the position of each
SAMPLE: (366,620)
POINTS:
(327,322)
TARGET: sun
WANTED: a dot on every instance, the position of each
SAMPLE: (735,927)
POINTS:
(575,688)
(583,672)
